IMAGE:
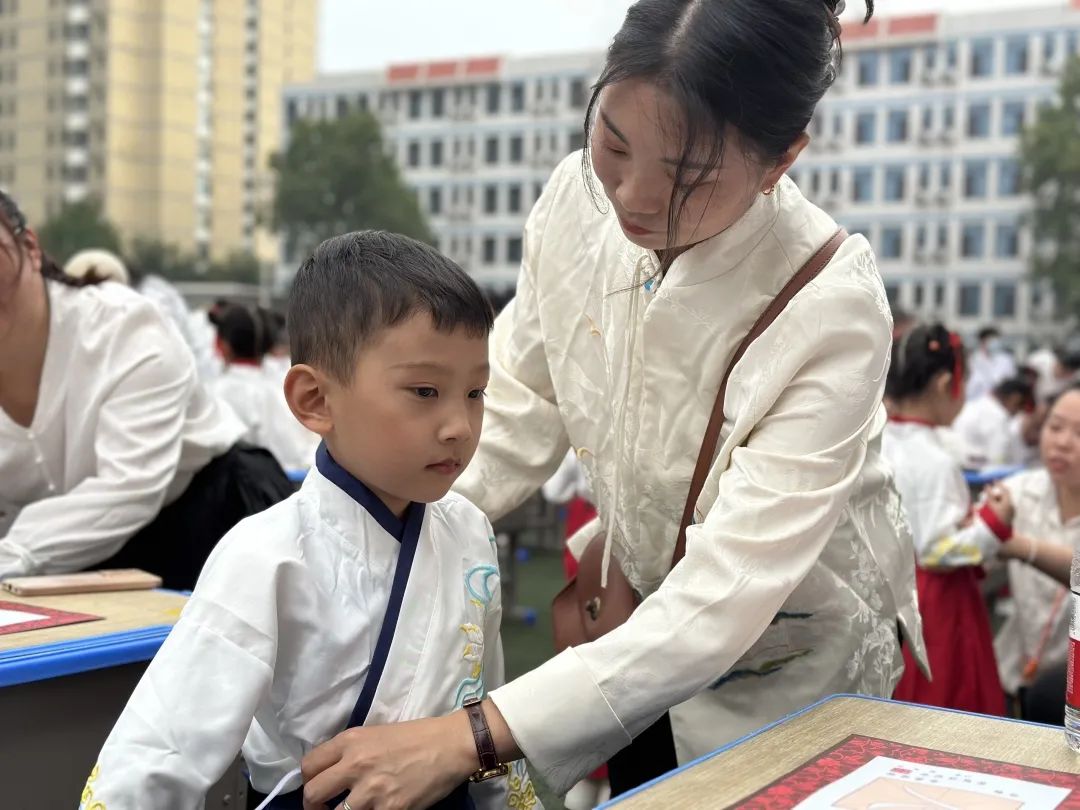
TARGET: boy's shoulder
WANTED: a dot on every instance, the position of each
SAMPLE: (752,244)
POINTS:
(263,540)
(462,515)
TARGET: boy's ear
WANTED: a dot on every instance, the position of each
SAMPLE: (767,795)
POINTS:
(305,392)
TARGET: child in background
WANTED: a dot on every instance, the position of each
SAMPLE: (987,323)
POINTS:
(245,335)
(926,385)
(371,596)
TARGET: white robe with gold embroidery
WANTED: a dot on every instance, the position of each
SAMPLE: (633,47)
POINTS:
(274,647)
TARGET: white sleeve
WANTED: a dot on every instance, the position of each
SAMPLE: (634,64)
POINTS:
(137,446)
(950,540)
(778,504)
(523,438)
(187,719)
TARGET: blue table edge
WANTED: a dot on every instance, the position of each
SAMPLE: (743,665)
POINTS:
(43,661)
(746,738)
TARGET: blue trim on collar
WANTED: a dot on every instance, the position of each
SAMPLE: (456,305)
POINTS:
(359,492)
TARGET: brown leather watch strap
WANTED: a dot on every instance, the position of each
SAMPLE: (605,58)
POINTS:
(490,766)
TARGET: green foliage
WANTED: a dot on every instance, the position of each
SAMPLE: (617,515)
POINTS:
(78,226)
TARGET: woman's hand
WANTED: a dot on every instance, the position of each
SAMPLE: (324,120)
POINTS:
(999,499)
(393,767)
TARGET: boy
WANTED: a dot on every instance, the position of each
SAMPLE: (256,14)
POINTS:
(370,596)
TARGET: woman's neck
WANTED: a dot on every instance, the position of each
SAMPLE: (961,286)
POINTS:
(22,350)
(1068,503)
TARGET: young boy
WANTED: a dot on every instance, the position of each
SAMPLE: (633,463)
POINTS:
(371,595)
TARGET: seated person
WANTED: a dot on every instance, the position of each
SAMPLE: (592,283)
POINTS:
(371,596)
(111,452)
(244,336)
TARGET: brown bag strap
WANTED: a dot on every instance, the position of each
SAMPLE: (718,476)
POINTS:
(807,273)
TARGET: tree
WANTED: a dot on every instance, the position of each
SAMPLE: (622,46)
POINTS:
(335,177)
(1050,161)
(151,257)
(78,226)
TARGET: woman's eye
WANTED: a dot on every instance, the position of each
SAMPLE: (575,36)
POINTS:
(479,393)
(616,151)
(425,392)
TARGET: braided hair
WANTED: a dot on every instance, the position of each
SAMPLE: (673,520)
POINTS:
(13,221)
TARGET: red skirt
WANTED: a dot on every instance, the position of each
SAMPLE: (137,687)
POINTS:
(959,644)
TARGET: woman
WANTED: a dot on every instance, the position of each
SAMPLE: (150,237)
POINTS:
(628,311)
(111,453)
(1032,646)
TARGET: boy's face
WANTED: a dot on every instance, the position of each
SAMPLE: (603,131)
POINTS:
(409,421)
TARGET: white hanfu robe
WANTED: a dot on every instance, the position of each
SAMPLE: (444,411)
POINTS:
(282,634)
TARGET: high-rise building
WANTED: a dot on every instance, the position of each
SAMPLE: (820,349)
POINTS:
(165,110)
(475,138)
(915,146)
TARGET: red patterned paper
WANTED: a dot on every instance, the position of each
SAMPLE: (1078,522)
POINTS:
(49,618)
(856,751)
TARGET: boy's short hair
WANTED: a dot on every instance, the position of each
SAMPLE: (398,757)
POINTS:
(359,283)
(247,331)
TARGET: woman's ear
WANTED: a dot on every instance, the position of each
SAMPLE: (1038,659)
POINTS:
(305,392)
(943,384)
(779,169)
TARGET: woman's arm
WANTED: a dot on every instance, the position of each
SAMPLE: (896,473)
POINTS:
(137,448)
(1052,559)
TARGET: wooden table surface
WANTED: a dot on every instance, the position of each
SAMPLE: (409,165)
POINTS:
(741,770)
(121,611)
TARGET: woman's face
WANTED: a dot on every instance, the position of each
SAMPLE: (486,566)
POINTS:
(635,149)
(1059,442)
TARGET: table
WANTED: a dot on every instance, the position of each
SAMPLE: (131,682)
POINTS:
(740,769)
(62,688)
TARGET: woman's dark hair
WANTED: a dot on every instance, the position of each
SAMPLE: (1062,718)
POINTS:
(247,331)
(920,356)
(758,65)
(13,221)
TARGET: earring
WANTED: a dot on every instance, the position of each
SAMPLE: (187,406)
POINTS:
(769,190)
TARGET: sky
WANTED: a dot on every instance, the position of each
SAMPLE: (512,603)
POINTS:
(364,34)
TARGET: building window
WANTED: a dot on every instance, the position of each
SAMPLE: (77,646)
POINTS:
(1008,178)
(517,149)
(1016,56)
(435,201)
(892,294)
(538,189)
(1049,47)
(939,295)
(577,94)
(868,68)
(415,104)
(494,98)
(920,295)
(1005,299)
(948,118)
(491,150)
(892,242)
(978,124)
(517,97)
(982,58)
(927,119)
(491,199)
(974,241)
(513,249)
(489,249)
(414,154)
(438,103)
(895,177)
(865,128)
(436,153)
(577,140)
(897,131)
(976,173)
(945,176)
(1008,241)
(513,199)
(970,300)
(1012,117)
(924,177)
(900,61)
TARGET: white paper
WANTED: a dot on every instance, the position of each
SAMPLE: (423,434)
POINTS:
(892,784)
(10,617)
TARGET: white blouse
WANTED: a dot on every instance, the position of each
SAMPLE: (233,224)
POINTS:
(800,563)
(121,427)
(1039,624)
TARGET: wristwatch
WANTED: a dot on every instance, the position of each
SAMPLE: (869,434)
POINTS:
(490,767)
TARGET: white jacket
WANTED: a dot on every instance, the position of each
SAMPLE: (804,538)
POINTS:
(801,561)
(121,427)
